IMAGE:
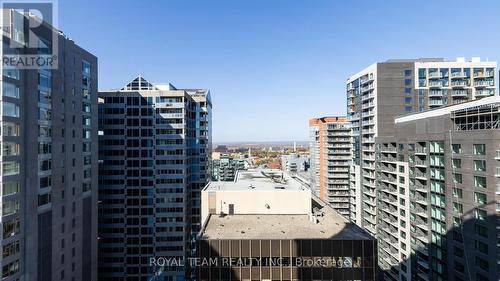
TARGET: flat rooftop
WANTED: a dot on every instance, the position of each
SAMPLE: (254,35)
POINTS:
(327,225)
(259,180)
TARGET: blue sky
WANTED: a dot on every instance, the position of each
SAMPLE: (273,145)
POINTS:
(271,64)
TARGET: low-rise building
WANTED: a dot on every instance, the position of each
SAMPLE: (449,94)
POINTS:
(224,168)
(268,226)
(295,162)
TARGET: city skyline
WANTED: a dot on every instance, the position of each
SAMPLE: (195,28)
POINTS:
(399,181)
(241,58)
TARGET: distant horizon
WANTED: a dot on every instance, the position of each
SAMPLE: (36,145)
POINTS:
(259,142)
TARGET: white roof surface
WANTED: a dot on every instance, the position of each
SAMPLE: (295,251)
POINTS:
(259,180)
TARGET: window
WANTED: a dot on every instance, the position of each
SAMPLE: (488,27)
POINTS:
(11,228)
(407,72)
(457,192)
(44,199)
(10,129)
(11,73)
(407,82)
(10,207)
(458,208)
(456,148)
(479,182)
(479,198)
(10,268)
(10,149)
(481,230)
(437,187)
(437,160)
(457,178)
(480,165)
(45,182)
(408,100)
(9,188)
(10,168)
(407,90)
(44,114)
(458,252)
(479,149)
(481,247)
(437,147)
(438,200)
(10,109)
(457,222)
(10,90)
(45,165)
(10,249)
(480,214)
(457,163)
(483,264)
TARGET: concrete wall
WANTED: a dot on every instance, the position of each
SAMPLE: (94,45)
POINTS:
(254,202)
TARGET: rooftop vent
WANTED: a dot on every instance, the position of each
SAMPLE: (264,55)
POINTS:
(279,187)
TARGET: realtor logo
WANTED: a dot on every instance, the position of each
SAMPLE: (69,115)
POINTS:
(29,34)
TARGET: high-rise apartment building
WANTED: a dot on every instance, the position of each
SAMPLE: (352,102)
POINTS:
(382,91)
(155,142)
(330,151)
(267,226)
(438,179)
(48,159)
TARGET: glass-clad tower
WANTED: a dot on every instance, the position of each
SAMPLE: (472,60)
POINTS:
(155,142)
(48,147)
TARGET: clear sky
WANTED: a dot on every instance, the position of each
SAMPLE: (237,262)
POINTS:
(272,64)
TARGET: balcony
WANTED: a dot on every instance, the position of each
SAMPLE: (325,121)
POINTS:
(435,93)
(458,75)
(436,102)
(435,84)
(435,75)
(489,92)
(421,163)
(421,150)
(367,96)
(483,83)
(460,93)
(459,83)
(367,88)
(367,105)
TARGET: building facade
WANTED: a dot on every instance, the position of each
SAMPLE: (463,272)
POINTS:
(438,181)
(224,168)
(267,226)
(155,142)
(48,157)
(295,162)
(382,91)
(330,152)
